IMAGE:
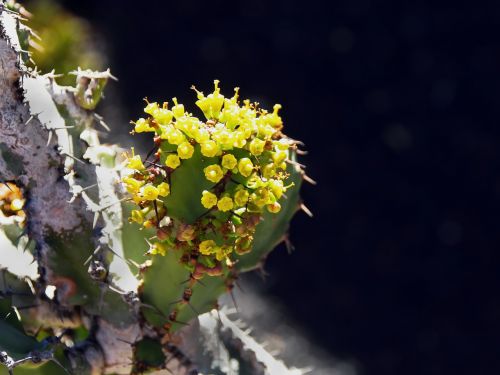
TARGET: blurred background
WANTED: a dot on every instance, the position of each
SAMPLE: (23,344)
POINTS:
(398,104)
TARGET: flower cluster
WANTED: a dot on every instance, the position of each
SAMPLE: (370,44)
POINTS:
(243,157)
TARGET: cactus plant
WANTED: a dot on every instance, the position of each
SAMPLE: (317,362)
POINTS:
(132,253)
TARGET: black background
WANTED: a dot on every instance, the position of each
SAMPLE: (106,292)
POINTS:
(398,104)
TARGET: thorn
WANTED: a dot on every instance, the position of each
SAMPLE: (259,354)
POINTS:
(30,283)
(192,278)
(293,162)
(73,157)
(262,272)
(150,153)
(239,286)
(154,308)
(116,254)
(301,152)
(116,290)
(309,179)
(63,127)
(111,75)
(112,204)
(26,247)
(218,314)
(234,301)
(27,122)
(24,51)
(89,187)
(306,210)
(60,365)
(134,263)
(92,255)
(96,217)
(289,245)
(49,138)
(33,33)
(52,75)
(296,142)
(26,307)
(23,233)
(101,121)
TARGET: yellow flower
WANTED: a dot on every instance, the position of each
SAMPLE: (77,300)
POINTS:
(135,163)
(163,116)
(229,161)
(158,248)
(225,204)
(173,161)
(240,140)
(213,173)
(201,135)
(151,107)
(175,137)
(149,192)
(224,138)
(222,252)
(208,199)
(163,189)
(185,150)
(212,104)
(208,247)
(266,131)
(132,184)
(279,157)
(260,197)
(283,144)
(241,197)
(137,216)
(142,125)
(274,207)
(276,187)
(274,119)
(188,125)
(268,171)
(209,149)
(177,109)
(243,245)
(257,146)
(245,166)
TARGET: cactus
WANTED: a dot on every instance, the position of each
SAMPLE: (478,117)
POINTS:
(131,253)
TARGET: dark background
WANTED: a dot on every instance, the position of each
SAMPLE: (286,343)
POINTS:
(398,105)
